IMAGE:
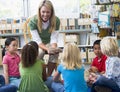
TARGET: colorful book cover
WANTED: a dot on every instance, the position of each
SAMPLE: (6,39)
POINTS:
(117,26)
(104,19)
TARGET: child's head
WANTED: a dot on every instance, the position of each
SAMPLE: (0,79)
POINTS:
(29,54)
(71,56)
(109,46)
(96,48)
(11,45)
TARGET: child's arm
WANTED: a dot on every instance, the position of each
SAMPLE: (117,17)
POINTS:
(56,76)
(93,69)
(5,70)
(103,72)
(92,78)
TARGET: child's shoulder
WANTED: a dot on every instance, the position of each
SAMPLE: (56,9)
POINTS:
(95,58)
(40,61)
(6,56)
(115,59)
(104,56)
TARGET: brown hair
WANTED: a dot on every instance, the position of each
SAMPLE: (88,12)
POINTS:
(29,54)
(52,20)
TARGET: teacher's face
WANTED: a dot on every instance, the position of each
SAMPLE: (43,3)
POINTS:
(45,13)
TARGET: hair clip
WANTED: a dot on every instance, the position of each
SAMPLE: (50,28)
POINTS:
(30,44)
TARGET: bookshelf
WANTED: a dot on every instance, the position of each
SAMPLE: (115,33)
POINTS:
(78,31)
(12,28)
(75,28)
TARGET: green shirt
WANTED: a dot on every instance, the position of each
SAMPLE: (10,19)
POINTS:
(31,78)
(44,35)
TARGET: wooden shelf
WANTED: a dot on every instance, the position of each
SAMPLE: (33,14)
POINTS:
(11,34)
(83,46)
(11,26)
(110,3)
(76,31)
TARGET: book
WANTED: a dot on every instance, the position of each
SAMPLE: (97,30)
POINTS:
(117,26)
(103,1)
(94,28)
(104,19)
(115,10)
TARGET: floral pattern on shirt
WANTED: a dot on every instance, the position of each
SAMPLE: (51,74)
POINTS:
(113,69)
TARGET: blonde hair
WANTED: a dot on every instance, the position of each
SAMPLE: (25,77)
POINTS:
(52,20)
(109,46)
(71,56)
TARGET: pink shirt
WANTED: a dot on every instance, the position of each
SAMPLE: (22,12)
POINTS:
(13,64)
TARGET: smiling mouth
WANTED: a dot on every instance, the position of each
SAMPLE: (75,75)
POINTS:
(45,17)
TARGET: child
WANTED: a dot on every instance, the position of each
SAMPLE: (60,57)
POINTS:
(111,79)
(11,62)
(71,70)
(98,63)
(31,70)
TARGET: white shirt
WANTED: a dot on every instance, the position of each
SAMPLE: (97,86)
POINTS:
(36,37)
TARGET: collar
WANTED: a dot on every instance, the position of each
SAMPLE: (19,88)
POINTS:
(101,57)
(45,24)
(11,56)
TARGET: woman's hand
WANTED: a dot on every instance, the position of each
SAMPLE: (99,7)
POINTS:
(54,50)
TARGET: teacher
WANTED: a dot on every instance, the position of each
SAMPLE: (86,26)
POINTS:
(43,28)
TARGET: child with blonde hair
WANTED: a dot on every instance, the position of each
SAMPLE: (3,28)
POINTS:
(71,70)
(111,79)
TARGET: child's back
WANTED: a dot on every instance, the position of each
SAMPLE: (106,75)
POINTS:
(71,70)
(31,78)
(73,79)
(31,70)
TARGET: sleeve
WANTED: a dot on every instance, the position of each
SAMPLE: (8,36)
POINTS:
(54,37)
(35,36)
(55,34)
(59,68)
(33,23)
(5,61)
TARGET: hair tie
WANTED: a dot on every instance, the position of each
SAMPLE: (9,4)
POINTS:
(30,44)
